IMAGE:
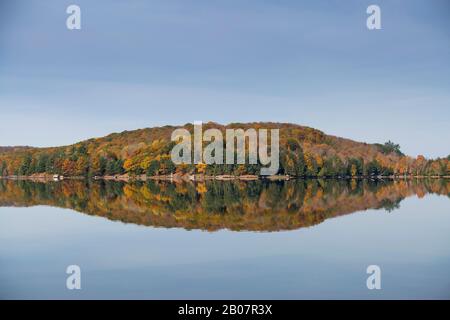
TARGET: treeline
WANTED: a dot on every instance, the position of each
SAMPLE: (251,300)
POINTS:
(74,162)
(304,152)
(295,162)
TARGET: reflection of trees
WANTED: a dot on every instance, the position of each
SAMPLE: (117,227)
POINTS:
(251,205)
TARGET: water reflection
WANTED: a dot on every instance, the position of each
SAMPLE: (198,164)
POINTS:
(214,205)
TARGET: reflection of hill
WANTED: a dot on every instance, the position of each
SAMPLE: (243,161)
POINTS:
(253,205)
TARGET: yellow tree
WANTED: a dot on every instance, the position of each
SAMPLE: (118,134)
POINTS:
(201,168)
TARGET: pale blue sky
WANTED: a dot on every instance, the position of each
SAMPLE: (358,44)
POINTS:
(138,64)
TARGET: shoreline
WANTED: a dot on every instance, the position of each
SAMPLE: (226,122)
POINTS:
(202,178)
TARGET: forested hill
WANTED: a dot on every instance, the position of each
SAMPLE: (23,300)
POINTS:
(303,152)
(14,148)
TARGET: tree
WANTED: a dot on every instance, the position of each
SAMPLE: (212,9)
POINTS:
(41,165)
(82,150)
(153,168)
(201,167)
(354,167)
(69,167)
(82,166)
(373,168)
(420,164)
(390,147)
(3,167)
(327,169)
(118,166)
(109,170)
(50,164)
(26,164)
(311,165)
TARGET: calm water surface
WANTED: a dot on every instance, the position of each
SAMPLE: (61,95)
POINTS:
(237,240)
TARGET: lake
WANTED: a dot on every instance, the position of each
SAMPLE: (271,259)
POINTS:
(298,239)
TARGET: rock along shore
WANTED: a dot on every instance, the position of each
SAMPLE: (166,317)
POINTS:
(201,177)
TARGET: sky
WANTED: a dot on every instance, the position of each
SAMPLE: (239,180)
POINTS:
(137,64)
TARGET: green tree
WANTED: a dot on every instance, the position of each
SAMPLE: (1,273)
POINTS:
(3,168)
(390,147)
(26,165)
(153,168)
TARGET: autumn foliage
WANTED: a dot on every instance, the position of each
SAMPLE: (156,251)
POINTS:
(304,152)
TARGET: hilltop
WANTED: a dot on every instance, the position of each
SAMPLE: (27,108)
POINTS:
(304,152)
